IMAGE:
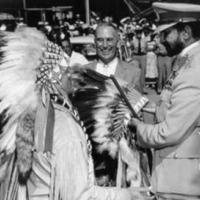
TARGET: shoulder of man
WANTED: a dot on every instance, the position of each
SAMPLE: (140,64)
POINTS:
(133,71)
(132,65)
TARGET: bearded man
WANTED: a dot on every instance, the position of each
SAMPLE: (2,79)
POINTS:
(175,138)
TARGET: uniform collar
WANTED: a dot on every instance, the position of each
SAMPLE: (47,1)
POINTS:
(187,49)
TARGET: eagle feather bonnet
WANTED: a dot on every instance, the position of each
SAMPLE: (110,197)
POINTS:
(29,70)
(106,105)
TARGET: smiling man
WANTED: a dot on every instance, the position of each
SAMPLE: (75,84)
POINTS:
(106,43)
(127,74)
(106,40)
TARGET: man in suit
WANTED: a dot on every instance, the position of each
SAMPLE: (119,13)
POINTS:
(175,138)
(106,40)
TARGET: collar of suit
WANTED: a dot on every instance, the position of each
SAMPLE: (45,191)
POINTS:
(107,69)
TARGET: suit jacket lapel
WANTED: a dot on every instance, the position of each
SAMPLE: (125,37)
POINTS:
(120,70)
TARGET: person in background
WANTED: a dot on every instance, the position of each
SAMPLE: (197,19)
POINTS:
(106,40)
(139,44)
(73,58)
(151,60)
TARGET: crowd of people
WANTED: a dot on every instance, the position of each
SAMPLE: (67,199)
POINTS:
(61,114)
(139,41)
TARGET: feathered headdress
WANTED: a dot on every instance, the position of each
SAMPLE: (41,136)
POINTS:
(30,69)
(106,108)
(106,105)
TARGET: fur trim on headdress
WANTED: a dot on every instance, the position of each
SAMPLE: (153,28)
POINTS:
(25,144)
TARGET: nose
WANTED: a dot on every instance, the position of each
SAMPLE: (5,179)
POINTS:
(105,43)
(162,40)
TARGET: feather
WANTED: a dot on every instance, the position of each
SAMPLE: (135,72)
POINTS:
(21,52)
(111,115)
(101,107)
(28,70)
(104,110)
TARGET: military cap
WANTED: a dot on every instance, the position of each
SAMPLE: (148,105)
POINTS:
(169,14)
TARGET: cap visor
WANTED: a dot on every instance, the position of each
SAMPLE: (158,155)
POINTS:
(163,27)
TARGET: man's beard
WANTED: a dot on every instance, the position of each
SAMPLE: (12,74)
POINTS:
(175,49)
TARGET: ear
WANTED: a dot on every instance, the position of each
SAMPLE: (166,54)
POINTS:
(187,34)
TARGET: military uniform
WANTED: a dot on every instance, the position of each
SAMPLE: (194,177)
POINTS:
(176,138)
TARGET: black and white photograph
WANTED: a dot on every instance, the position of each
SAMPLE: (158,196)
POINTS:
(99,99)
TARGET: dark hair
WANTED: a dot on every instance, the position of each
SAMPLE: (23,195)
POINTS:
(60,40)
(66,38)
(195,27)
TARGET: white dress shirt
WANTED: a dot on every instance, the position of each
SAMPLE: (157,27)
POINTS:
(107,69)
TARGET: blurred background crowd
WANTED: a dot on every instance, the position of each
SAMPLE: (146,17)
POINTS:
(139,38)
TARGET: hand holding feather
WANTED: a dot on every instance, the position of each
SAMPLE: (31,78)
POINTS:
(134,122)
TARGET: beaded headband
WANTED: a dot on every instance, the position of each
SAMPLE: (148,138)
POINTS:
(50,70)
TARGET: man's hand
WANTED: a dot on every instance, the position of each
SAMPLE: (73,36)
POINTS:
(134,122)
(150,107)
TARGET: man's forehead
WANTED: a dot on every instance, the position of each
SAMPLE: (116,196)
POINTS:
(170,30)
(105,31)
